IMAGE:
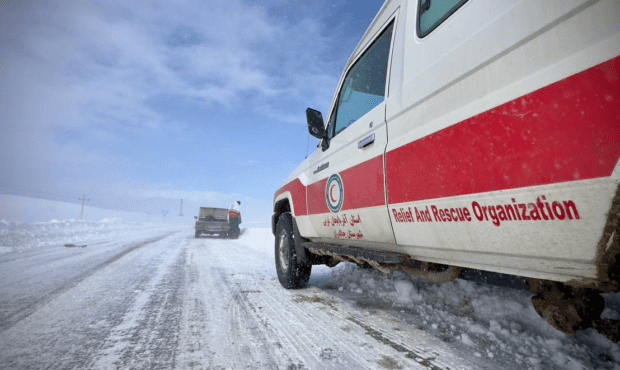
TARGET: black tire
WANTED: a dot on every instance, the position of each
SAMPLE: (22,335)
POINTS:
(197,234)
(292,275)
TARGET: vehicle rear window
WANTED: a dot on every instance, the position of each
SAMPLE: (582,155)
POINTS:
(431,13)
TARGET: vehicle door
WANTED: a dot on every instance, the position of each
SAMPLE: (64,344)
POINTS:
(346,192)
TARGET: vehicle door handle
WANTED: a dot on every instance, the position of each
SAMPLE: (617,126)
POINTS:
(366,141)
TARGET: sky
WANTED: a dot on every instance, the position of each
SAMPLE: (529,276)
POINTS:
(140,104)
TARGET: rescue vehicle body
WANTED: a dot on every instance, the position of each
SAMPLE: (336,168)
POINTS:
(493,144)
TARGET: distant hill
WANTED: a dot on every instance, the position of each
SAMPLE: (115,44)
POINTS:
(24,209)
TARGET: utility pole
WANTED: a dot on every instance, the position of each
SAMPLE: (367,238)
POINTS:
(181,213)
(83,199)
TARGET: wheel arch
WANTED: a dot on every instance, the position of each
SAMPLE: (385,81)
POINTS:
(283,203)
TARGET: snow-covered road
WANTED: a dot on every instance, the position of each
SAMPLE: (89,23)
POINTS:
(161,299)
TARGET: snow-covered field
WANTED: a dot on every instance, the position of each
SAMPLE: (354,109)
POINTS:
(20,236)
(487,325)
(27,223)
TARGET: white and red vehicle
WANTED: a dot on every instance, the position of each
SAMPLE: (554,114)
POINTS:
(480,134)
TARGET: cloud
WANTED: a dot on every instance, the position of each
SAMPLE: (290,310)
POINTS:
(106,60)
(77,77)
(205,197)
(184,36)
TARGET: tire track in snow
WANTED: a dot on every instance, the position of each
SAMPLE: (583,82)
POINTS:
(68,331)
(299,336)
(309,332)
(242,317)
(232,333)
(266,326)
(71,344)
(412,346)
(290,348)
(409,353)
(153,340)
(338,348)
(376,342)
(12,319)
(310,337)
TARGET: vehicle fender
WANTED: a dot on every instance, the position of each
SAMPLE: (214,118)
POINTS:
(282,203)
(282,199)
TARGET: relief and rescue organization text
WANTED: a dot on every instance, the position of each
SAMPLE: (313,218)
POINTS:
(540,210)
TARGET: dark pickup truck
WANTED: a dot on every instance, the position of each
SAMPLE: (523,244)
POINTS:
(219,221)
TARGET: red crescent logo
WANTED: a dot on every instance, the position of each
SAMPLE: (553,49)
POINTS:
(330,194)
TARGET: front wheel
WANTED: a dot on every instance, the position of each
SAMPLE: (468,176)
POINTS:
(292,275)
(197,234)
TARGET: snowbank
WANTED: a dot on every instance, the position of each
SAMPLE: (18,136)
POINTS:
(491,321)
(21,236)
(27,223)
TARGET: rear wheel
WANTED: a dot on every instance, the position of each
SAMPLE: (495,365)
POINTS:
(235,232)
(197,234)
(291,274)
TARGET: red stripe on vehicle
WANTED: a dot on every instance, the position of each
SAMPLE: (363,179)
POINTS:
(298,193)
(363,187)
(567,131)
(316,197)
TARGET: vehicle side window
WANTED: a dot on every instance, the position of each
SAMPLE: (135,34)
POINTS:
(364,87)
(432,13)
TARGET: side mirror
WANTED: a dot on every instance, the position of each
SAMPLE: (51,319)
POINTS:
(316,125)
(195,217)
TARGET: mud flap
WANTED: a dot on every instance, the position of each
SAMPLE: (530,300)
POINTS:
(301,252)
(570,312)
(608,328)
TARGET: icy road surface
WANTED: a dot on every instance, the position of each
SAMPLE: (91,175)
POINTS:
(164,300)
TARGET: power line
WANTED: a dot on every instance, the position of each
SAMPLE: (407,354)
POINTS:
(70,196)
(67,197)
(83,199)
